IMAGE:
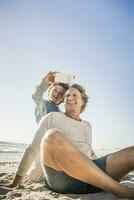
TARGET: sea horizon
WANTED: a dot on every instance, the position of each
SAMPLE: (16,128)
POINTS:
(12,151)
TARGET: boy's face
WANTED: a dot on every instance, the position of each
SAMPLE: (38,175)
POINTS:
(56,94)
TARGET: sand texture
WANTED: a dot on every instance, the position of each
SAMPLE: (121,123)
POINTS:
(30,191)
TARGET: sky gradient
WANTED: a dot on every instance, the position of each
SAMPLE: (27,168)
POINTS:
(94,40)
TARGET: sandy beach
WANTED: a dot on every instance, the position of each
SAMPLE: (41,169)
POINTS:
(38,191)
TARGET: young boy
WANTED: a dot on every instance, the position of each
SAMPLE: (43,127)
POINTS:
(56,93)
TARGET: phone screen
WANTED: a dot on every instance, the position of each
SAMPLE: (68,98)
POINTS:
(64,78)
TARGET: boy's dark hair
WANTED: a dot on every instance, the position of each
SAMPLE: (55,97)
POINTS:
(63,85)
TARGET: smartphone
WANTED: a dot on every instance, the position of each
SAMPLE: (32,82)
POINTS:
(64,78)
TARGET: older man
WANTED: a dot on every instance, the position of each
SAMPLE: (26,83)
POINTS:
(66,153)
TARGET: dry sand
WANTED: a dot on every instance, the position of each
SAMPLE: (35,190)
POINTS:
(37,191)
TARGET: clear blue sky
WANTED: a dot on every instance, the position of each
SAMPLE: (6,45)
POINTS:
(92,39)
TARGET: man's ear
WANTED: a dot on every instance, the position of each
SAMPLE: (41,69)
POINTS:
(83,102)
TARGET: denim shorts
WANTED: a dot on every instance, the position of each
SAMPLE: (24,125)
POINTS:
(61,182)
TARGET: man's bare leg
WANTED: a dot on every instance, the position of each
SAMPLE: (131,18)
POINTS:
(58,153)
(120,163)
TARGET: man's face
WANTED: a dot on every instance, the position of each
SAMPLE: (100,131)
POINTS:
(73,100)
(56,94)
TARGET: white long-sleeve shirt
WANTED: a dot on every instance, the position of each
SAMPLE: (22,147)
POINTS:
(79,133)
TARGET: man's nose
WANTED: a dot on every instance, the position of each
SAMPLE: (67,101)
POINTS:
(70,97)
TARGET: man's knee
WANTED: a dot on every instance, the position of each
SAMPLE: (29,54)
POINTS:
(53,136)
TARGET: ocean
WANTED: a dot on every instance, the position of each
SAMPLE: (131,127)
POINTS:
(10,151)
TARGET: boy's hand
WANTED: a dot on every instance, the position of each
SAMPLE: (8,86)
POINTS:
(49,78)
